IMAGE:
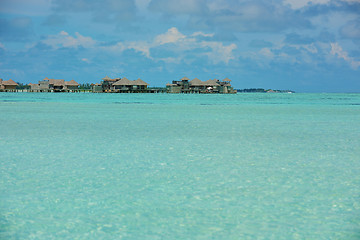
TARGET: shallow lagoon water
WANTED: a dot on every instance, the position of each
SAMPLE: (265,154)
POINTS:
(163,166)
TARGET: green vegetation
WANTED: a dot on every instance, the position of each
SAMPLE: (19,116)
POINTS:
(85,86)
(262,90)
(22,86)
(252,90)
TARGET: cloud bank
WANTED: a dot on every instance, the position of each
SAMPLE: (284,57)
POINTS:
(306,45)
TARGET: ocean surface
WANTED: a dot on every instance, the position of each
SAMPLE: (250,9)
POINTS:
(163,166)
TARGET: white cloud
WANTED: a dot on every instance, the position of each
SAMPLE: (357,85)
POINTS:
(337,50)
(84,41)
(182,46)
(171,36)
(170,60)
(286,53)
(119,47)
(219,53)
(63,39)
(140,46)
(202,34)
(215,51)
(311,48)
(267,53)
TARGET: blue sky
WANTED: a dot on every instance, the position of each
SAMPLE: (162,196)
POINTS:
(306,46)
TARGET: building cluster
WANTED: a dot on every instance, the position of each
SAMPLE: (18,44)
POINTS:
(120,85)
(198,86)
(54,85)
(8,86)
(124,85)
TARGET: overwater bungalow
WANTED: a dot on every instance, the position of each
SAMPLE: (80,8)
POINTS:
(54,85)
(181,86)
(96,88)
(120,85)
(71,85)
(8,86)
(107,83)
(198,86)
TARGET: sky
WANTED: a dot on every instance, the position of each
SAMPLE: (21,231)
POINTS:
(300,45)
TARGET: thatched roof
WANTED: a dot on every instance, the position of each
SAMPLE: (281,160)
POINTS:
(110,79)
(140,82)
(9,82)
(196,82)
(57,82)
(46,79)
(124,82)
(211,83)
(71,83)
(184,79)
(226,80)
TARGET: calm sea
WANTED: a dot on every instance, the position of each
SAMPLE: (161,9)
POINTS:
(162,166)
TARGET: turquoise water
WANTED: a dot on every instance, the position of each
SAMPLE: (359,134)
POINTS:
(162,166)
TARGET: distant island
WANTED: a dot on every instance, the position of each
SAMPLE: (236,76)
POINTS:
(262,90)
